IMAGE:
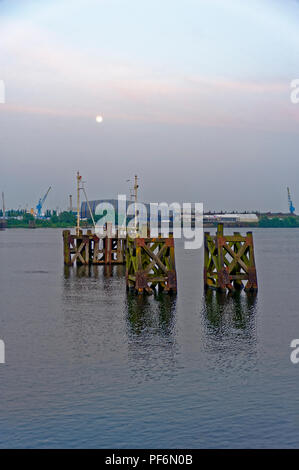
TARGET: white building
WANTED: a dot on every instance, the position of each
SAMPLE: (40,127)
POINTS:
(237,218)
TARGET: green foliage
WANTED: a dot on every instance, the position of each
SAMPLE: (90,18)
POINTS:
(63,220)
(274,222)
(16,223)
(27,217)
(67,218)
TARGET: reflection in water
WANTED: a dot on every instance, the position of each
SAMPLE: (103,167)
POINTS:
(151,314)
(99,314)
(86,365)
(93,312)
(93,270)
(230,329)
(151,337)
(229,310)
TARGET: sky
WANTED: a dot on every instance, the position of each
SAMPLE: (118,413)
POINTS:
(194,95)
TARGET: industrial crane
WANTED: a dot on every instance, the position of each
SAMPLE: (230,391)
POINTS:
(40,204)
(291,207)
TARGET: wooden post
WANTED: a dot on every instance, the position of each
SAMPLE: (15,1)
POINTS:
(108,243)
(252,277)
(89,251)
(79,261)
(206,260)
(229,261)
(66,247)
(238,284)
(120,250)
(221,268)
(84,249)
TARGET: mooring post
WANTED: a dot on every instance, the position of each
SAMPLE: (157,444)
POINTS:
(222,278)
(120,250)
(150,264)
(89,253)
(140,284)
(66,247)
(252,277)
(108,243)
(171,285)
(206,259)
(107,247)
(229,261)
(220,230)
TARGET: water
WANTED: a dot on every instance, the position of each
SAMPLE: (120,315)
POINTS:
(88,366)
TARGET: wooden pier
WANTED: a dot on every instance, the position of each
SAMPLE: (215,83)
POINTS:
(89,248)
(229,261)
(150,262)
(150,265)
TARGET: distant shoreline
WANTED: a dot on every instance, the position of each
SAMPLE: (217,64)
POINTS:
(65,220)
(205,226)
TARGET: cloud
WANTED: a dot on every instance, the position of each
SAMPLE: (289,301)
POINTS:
(46,77)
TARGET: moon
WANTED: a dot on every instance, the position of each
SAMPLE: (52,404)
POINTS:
(99,119)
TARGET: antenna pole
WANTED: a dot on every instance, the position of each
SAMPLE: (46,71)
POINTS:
(89,208)
(78,204)
(135,199)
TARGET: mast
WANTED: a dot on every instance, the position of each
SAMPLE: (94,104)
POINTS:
(78,203)
(136,186)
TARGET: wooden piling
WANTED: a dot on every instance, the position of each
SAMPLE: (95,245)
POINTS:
(229,261)
(66,247)
(150,264)
(89,248)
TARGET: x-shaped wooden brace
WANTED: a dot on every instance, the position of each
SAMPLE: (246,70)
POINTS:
(156,258)
(236,257)
(78,252)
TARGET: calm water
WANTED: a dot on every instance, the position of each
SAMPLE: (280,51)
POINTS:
(87,366)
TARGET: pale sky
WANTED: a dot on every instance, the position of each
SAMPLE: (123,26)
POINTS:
(194,94)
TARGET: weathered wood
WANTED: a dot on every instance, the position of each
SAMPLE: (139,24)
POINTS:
(150,264)
(66,247)
(84,249)
(229,261)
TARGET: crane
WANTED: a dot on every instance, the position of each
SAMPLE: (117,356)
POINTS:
(291,207)
(41,203)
